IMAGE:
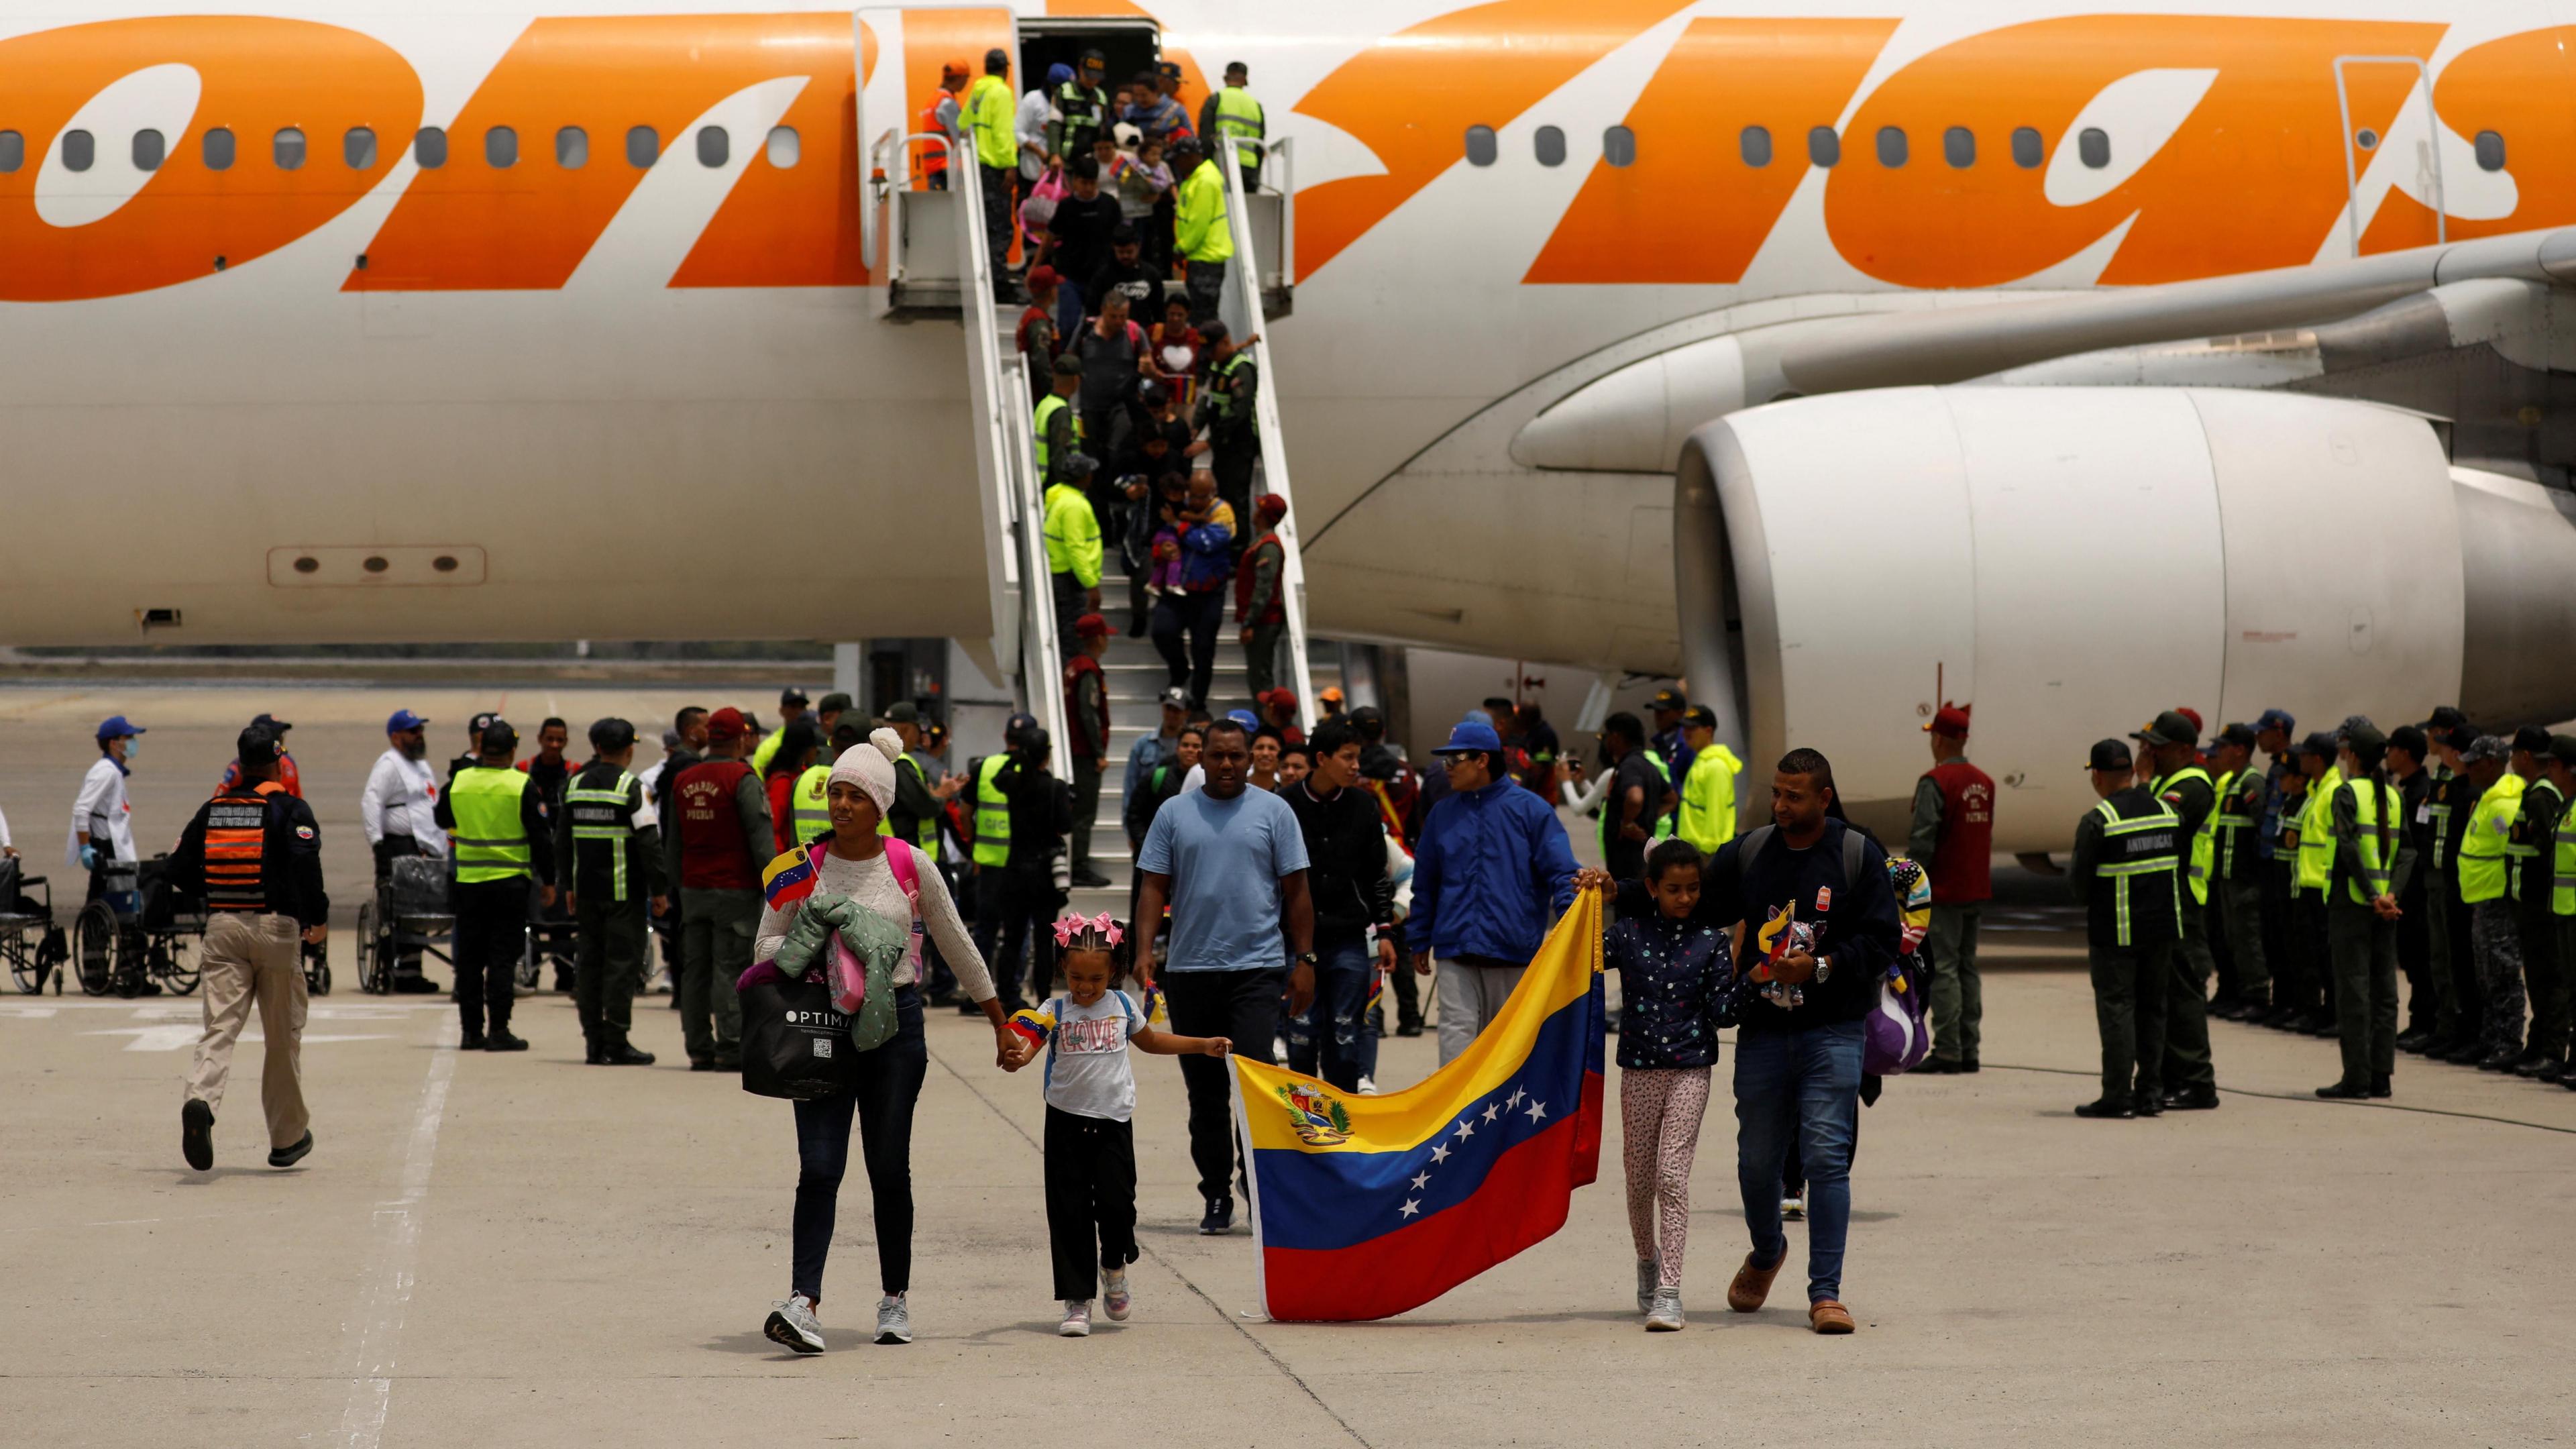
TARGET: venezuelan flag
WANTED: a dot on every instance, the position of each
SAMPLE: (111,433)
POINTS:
(789,878)
(1364,1207)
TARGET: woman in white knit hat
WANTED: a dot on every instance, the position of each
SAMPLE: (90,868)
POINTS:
(855,875)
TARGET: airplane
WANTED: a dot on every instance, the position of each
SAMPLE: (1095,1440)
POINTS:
(2074,365)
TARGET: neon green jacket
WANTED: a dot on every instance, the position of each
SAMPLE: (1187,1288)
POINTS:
(1072,535)
(990,110)
(1200,230)
(1707,817)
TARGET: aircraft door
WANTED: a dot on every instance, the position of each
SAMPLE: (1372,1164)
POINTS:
(2392,153)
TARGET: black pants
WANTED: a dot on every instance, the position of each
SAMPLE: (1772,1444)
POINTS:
(1001,213)
(2465,992)
(1196,616)
(890,1080)
(1243,1006)
(491,940)
(1230,457)
(1408,987)
(2129,986)
(2543,978)
(1072,601)
(1090,1199)
(406,945)
(2303,985)
(2415,958)
(1086,808)
(1014,910)
(609,961)
(2273,902)
(2364,951)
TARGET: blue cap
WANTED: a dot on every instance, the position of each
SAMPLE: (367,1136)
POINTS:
(404,719)
(1472,734)
(116,726)
(1059,73)
(1244,717)
(2275,719)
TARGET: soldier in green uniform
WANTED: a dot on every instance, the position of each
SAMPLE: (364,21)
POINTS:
(2370,863)
(2173,743)
(2128,873)
(2456,1029)
(613,845)
(2235,887)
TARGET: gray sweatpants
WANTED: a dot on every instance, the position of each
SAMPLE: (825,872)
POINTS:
(1470,996)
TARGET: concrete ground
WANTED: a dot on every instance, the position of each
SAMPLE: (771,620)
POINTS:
(521,1250)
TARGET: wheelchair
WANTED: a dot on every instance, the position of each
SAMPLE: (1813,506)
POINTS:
(139,929)
(34,946)
(408,913)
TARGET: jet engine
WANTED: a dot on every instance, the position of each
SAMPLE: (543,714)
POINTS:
(2070,561)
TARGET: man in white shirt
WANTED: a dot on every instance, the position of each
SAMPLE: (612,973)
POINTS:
(102,820)
(398,810)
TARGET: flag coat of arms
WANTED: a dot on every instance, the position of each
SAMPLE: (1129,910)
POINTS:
(1364,1207)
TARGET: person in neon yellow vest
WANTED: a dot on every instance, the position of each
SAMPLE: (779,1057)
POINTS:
(2372,863)
(2495,939)
(495,819)
(1707,815)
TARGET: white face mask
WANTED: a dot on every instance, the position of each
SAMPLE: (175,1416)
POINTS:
(133,746)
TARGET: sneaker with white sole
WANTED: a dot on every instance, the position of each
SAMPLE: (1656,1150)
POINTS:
(1115,1300)
(1368,1086)
(894,1319)
(1077,1319)
(1650,1273)
(1793,1209)
(793,1324)
(1666,1314)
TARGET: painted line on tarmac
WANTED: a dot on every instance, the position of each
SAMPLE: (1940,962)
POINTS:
(2316,1101)
(1172,1268)
(387,1294)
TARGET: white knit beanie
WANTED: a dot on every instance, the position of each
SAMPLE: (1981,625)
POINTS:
(871,770)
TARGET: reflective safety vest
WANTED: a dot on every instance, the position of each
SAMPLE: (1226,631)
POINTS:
(1048,407)
(2230,823)
(2204,841)
(2316,836)
(928,841)
(2522,857)
(2482,845)
(809,805)
(490,841)
(1239,119)
(2562,868)
(1227,406)
(2447,786)
(1707,816)
(2141,859)
(237,848)
(601,813)
(992,814)
(2374,815)
(932,160)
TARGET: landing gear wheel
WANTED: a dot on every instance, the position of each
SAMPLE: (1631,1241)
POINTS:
(94,947)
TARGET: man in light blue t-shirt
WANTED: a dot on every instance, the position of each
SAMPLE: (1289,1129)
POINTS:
(1232,864)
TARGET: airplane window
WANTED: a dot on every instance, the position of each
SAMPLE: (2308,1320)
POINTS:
(287,150)
(501,148)
(1481,150)
(13,151)
(1549,142)
(1959,147)
(784,147)
(2490,148)
(1824,148)
(572,148)
(1619,146)
(2093,147)
(217,147)
(2028,152)
(714,147)
(358,148)
(1891,146)
(429,148)
(643,146)
(2366,138)
(1754,144)
(149,148)
(80,148)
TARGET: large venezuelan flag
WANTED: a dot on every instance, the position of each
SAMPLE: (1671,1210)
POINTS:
(1367,1206)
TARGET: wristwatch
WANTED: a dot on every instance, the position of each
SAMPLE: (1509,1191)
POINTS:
(1308,958)
(1824,969)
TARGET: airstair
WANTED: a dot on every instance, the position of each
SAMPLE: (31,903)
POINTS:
(926,246)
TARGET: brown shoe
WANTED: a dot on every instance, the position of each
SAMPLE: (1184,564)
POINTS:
(1752,1284)
(1827,1316)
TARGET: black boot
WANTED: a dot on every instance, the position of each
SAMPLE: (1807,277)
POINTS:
(2382,1085)
(2343,1092)
(592,1053)
(623,1053)
(472,1040)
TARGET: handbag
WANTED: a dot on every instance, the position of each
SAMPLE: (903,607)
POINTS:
(795,1042)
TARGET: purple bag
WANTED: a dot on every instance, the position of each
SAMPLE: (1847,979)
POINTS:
(1895,1037)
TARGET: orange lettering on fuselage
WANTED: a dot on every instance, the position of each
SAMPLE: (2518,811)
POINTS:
(2252,178)
(470,226)
(256,76)
(1411,97)
(2516,86)
(1685,213)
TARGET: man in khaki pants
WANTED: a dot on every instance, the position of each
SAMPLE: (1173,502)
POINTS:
(254,855)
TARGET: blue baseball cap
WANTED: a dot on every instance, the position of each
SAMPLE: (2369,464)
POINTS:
(404,719)
(1472,734)
(1244,717)
(117,726)
(2276,719)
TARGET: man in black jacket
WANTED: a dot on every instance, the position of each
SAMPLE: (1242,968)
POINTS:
(1017,901)
(1346,878)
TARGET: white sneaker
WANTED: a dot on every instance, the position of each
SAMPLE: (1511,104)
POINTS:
(793,1324)
(894,1320)
(1794,1209)
(1114,1297)
(1279,1048)
(1077,1319)
(1368,1086)
(1650,1272)
(1666,1314)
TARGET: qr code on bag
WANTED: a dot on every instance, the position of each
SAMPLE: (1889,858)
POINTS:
(822,1046)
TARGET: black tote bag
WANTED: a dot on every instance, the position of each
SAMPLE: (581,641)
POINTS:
(795,1042)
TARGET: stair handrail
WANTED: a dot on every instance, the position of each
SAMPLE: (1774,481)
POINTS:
(1243,280)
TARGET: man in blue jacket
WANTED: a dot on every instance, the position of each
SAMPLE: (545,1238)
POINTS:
(1490,875)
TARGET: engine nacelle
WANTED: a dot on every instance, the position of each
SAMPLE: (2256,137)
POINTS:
(2070,561)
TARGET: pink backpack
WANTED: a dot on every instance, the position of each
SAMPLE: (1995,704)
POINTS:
(849,975)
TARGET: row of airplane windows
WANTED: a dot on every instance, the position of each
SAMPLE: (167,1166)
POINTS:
(429,147)
(1825,146)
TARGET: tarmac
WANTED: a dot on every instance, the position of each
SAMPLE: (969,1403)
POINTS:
(495,1250)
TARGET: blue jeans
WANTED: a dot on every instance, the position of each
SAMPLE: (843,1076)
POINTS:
(1806,1085)
(1341,1055)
